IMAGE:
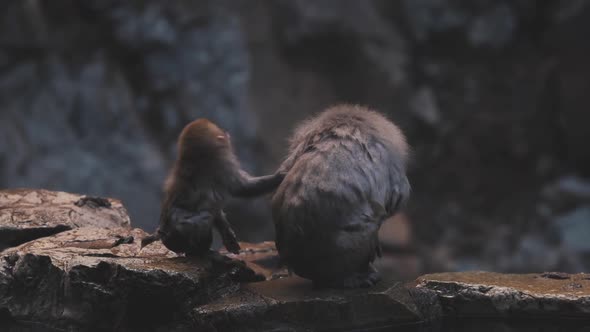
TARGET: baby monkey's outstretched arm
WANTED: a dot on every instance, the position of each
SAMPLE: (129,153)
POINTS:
(249,186)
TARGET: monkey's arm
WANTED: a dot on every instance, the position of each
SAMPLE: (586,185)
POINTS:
(228,237)
(249,186)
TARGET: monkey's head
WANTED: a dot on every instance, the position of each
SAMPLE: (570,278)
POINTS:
(201,138)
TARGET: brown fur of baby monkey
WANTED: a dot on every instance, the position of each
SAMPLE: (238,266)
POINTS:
(204,175)
(345,174)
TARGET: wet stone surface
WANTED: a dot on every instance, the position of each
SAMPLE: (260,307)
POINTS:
(261,257)
(480,294)
(92,274)
(100,278)
(28,214)
(292,304)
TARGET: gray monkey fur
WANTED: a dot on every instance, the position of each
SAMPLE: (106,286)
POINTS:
(345,174)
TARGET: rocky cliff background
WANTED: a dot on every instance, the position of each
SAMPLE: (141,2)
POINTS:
(494,97)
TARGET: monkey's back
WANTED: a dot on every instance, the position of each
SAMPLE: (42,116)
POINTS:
(343,165)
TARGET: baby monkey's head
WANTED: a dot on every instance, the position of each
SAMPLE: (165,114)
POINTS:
(202,138)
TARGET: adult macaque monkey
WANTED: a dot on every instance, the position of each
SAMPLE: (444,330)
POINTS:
(204,175)
(345,174)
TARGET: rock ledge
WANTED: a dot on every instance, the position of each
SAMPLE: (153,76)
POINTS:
(480,294)
(81,267)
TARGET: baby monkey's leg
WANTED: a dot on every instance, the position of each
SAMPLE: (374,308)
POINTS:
(228,237)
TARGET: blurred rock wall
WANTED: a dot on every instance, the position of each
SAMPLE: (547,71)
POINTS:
(493,96)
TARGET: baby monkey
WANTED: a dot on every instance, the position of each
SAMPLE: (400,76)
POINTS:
(206,172)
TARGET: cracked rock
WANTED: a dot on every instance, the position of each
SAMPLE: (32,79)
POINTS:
(28,214)
(487,294)
(291,304)
(100,278)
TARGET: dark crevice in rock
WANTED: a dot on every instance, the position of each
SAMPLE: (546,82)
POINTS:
(93,202)
(123,240)
(555,275)
(100,255)
(10,237)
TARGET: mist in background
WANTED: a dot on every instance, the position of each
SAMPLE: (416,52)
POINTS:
(494,97)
